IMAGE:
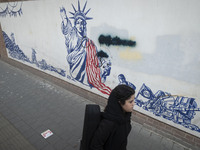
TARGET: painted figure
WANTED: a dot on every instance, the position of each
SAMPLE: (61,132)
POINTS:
(81,50)
(181,110)
(122,80)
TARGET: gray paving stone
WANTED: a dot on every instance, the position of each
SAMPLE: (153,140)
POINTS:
(60,145)
(41,129)
(155,141)
(53,139)
(36,124)
(27,134)
(35,138)
(11,139)
(40,144)
(32,105)
(48,147)
(5,146)
(10,116)
(3,123)
(136,127)
(177,146)
(166,144)
(144,135)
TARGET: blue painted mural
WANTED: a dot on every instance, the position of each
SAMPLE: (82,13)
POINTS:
(179,109)
(91,66)
(15,52)
(85,64)
(104,64)
(11,9)
(122,80)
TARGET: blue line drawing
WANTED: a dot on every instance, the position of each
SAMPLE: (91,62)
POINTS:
(181,110)
(11,9)
(17,53)
(84,64)
(122,80)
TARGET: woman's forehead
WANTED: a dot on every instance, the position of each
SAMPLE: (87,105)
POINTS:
(131,98)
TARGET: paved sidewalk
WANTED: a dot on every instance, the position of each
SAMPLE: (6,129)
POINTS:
(30,105)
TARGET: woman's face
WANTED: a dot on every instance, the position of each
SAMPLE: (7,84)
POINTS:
(129,104)
(80,25)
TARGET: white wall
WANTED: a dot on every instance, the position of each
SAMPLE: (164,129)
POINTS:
(166,56)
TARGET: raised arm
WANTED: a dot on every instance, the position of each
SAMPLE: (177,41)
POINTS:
(64,15)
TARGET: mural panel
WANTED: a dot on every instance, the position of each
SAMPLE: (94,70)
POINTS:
(178,109)
(82,52)
(95,47)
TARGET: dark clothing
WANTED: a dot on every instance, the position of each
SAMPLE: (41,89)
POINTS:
(114,128)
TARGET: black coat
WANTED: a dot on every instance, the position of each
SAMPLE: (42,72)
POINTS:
(114,128)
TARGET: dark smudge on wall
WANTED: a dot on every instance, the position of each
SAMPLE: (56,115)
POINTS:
(116,41)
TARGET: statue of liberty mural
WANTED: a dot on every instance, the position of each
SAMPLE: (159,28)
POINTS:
(82,53)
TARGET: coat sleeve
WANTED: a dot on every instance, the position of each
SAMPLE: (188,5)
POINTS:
(101,135)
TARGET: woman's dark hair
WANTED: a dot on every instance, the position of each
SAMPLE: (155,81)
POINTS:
(122,93)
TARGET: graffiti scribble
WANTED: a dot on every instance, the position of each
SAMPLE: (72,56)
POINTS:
(17,53)
(116,41)
(11,9)
(102,54)
(181,110)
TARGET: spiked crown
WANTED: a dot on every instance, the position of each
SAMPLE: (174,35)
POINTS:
(80,13)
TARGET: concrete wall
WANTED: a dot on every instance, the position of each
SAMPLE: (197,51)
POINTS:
(151,45)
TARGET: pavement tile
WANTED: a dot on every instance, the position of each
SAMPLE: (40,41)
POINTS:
(3,123)
(177,146)
(166,144)
(74,140)
(27,134)
(28,147)
(50,124)
(155,141)
(7,132)
(18,140)
(53,139)
(5,146)
(40,144)
(41,129)
(36,125)
(5,111)
(60,145)
(32,105)
(34,138)
(48,147)
(10,116)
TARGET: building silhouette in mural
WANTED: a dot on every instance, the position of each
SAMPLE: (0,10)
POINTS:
(15,52)
(181,110)
(11,9)
(122,80)
(82,52)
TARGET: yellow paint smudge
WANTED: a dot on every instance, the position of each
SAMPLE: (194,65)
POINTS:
(130,55)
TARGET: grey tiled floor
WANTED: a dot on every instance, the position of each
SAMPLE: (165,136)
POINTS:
(29,105)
